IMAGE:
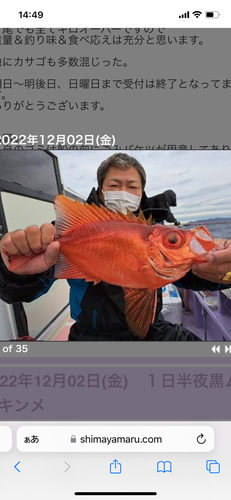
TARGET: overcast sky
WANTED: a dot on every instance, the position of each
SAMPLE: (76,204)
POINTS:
(200,179)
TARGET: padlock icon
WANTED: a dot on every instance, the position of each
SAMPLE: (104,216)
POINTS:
(73,438)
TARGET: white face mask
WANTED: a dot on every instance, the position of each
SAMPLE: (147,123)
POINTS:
(121,200)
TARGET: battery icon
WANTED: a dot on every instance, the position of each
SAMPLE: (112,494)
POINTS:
(212,13)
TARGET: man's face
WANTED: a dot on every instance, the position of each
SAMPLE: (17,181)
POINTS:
(123,180)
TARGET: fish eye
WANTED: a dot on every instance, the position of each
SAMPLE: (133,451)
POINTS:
(173,240)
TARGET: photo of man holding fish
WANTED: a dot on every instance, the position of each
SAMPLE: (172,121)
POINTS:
(117,254)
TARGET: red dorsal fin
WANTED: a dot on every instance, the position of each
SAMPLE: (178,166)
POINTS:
(140,309)
(70,214)
(150,220)
(140,218)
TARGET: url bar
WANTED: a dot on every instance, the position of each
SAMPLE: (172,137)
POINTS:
(115,439)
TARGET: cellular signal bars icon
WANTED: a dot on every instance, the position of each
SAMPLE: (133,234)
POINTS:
(186,14)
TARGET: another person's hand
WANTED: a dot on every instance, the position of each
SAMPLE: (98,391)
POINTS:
(218,268)
(31,240)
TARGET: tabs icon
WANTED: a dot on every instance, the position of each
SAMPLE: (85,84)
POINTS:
(213,467)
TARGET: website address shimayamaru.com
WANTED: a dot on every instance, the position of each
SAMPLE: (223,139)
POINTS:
(120,439)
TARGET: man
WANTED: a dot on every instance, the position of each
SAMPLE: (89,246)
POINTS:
(99,309)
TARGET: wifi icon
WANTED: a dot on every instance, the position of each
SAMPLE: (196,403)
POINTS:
(197,13)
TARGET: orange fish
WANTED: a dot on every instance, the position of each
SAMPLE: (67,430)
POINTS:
(99,245)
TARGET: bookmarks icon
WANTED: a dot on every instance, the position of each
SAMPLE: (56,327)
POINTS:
(164,466)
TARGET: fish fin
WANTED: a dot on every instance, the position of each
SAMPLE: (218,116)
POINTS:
(150,220)
(99,213)
(141,217)
(131,216)
(15,261)
(64,269)
(70,214)
(140,309)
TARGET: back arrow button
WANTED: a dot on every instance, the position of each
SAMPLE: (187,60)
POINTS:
(15,467)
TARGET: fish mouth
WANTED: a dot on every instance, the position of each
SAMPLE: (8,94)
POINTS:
(173,272)
(162,275)
(164,257)
(196,247)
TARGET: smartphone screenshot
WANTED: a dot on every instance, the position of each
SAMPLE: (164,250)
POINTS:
(115,251)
